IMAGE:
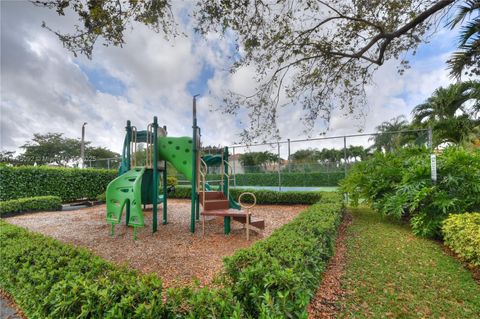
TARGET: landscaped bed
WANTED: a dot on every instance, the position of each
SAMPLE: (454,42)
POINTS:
(173,253)
(273,278)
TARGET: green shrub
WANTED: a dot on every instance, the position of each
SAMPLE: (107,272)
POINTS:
(399,184)
(172,181)
(287,179)
(276,277)
(265,196)
(49,279)
(67,183)
(31,204)
(461,232)
(102,197)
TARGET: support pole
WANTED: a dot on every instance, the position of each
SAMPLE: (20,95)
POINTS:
(430,139)
(234,168)
(278,168)
(289,164)
(345,154)
(165,193)
(227,219)
(194,165)
(155,175)
(129,139)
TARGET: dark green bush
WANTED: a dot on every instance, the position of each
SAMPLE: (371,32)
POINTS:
(31,204)
(49,279)
(102,197)
(265,196)
(399,184)
(276,277)
(287,179)
(67,183)
(461,232)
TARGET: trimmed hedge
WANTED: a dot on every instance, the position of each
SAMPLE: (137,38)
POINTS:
(461,232)
(49,279)
(31,204)
(287,179)
(274,278)
(264,196)
(67,183)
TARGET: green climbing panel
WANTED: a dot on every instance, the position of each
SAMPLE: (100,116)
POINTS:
(177,151)
(126,189)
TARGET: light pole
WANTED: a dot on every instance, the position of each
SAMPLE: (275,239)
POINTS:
(82,145)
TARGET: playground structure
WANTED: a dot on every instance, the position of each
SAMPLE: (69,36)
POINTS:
(139,185)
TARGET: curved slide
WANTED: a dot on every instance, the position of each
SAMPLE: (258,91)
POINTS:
(123,189)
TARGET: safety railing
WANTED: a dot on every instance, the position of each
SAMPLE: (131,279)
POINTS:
(226,175)
(203,173)
(149,148)
(133,149)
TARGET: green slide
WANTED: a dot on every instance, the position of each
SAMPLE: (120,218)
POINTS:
(177,151)
(126,187)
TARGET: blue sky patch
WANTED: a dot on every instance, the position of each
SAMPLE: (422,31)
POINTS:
(103,81)
(200,84)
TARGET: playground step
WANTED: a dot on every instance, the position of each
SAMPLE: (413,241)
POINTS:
(211,196)
(215,204)
(255,222)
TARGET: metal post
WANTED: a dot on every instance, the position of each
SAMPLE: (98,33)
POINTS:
(430,139)
(345,154)
(165,193)
(82,146)
(289,166)
(194,165)
(234,168)
(227,219)
(108,163)
(278,168)
(129,138)
(155,175)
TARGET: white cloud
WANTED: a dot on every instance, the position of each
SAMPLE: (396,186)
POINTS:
(44,89)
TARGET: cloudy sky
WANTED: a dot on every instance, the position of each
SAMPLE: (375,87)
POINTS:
(44,88)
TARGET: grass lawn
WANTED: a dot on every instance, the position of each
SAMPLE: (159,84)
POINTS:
(390,273)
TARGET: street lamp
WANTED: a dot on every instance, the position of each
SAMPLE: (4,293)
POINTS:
(82,145)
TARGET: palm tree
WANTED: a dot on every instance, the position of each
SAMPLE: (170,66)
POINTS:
(451,112)
(387,140)
(467,59)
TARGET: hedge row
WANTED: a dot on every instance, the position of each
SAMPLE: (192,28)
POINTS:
(265,196)
(49,279)
(461,232)
(275,278)
(31,204)
(67,183)
(287,179)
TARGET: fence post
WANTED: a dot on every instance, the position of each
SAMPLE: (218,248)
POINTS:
(430,138)
(288,158)
(278,168)
(234,168)
(345,154)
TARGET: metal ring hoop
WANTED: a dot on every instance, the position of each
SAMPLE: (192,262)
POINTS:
(247,206)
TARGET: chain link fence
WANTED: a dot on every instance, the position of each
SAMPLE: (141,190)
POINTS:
(304,164)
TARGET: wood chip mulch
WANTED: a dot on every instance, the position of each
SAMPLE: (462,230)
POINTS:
(173,253)
(325,302)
